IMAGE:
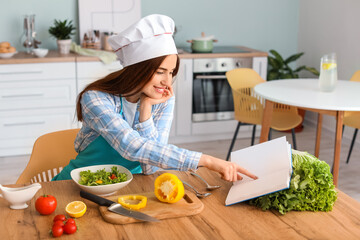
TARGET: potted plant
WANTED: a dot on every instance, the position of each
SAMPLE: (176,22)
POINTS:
(62,31)
(279,69)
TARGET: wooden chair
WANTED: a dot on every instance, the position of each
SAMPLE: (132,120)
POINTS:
(249,107)
(352,119)
(51,152)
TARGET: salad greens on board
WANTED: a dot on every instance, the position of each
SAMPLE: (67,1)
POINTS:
(311,187)
(102,177)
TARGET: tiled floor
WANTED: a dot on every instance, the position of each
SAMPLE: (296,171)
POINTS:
(349,177)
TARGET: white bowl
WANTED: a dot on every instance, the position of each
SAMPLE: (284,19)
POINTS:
(102,190)
(7,55)
(40,52)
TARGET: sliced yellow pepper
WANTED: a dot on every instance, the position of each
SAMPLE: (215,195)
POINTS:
(99,181)
(133,202)
(168,188)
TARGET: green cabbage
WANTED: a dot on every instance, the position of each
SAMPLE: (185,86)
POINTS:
(311,187)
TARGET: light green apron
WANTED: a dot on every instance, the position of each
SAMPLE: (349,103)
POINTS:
(98,152)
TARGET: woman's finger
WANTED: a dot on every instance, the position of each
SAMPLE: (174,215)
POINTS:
(246,172)
(234,174)
(171,89)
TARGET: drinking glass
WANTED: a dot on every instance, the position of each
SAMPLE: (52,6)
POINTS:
(328,73)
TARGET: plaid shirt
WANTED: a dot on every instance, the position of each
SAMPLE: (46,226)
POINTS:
(146,142)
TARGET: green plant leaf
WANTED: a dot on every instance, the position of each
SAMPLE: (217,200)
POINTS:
(312,70)
(273,75)
(274,63)
(287,76)
(62,29)
(300,68)
(293,57)
(277,55)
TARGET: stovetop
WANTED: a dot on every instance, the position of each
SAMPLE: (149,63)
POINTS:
(219,49)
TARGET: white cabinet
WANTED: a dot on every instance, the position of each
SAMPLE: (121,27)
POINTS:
(87,72)
(183,93)
(35,99)
(260,66)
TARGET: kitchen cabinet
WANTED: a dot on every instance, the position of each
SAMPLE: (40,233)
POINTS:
(88,72)
(35,98)
(260,66)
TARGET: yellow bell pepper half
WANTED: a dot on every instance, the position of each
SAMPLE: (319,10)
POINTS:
(133,202)
(168,188)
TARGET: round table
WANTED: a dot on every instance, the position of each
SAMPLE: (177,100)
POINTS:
(305,93)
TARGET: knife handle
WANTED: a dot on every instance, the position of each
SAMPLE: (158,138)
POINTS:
(96,199)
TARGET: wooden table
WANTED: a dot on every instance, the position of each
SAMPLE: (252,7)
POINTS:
(216,221)
(305,94)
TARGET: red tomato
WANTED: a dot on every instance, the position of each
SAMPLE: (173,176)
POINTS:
(71,221)
(59,217)
(113,176)
(45,204)
(59,223)
(70,228)
(57,231)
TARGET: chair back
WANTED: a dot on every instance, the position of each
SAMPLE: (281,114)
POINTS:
(352,119)
(51,152)
(356,76)
(248,107)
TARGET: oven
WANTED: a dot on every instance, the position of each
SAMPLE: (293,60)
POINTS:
(212,95)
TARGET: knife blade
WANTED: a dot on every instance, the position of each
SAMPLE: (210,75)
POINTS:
(116,207)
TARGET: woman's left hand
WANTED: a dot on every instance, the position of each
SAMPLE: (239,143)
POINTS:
(147,102)
(168,93)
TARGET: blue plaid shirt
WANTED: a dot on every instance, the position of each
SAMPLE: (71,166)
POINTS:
(146,142)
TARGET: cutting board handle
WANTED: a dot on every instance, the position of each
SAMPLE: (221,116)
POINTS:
(96,199)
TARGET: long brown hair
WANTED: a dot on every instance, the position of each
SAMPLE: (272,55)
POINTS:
(127,81)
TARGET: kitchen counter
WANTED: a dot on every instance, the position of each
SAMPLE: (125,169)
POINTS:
(55,56)
(215,221)
(247,52)
(52,56)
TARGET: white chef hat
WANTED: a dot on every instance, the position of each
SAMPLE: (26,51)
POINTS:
(150,37)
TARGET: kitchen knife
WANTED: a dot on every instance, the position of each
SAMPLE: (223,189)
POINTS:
(116,207)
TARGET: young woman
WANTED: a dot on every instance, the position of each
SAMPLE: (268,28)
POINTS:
(126,116)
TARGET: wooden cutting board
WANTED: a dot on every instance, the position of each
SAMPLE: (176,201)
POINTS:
(187,206)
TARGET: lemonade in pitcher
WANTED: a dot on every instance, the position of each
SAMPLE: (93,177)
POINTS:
(328,73)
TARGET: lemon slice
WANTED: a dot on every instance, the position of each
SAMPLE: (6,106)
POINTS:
(76,209)
(328,66)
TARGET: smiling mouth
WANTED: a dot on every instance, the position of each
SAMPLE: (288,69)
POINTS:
(159,90)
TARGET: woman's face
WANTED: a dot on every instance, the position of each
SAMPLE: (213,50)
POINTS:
(161,79)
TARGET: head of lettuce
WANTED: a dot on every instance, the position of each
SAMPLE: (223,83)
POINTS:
(311,187)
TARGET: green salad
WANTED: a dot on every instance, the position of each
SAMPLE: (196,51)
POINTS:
(102,177)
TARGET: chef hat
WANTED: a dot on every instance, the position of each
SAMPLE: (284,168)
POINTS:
(148,38)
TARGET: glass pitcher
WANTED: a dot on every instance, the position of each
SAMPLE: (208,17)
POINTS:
(328,73)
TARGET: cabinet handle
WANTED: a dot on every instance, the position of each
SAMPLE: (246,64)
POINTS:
(210,77)
(23,124)
(185,72)
(25,72)
(23,95)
